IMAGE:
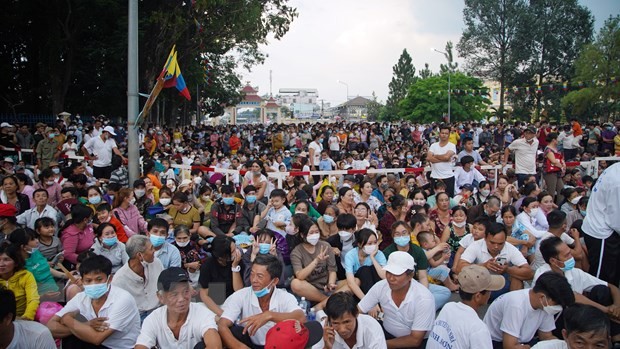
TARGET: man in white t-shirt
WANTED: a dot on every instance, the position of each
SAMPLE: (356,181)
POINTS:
(21,334)
(516,317)
(499,258)
(588,289)
(408,306)
(578,334)
(458,326)
(525,150)
(100,150)
(334,146)
(179,323)
(557,227)
(440,156)
(345,328)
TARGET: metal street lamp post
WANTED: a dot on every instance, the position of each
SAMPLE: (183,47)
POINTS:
(347,99)
(449,73)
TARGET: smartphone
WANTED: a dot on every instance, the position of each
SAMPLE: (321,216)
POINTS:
(500,260)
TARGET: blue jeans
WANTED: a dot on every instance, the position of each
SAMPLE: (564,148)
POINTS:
(441,293)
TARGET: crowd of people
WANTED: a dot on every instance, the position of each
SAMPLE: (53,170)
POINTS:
(212,247)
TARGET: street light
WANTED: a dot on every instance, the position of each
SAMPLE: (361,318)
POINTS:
(449,73)
(345,103)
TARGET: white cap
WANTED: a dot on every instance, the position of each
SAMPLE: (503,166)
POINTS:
(5,124)
(185,183)
(399,262)
(109,129)
(7,159)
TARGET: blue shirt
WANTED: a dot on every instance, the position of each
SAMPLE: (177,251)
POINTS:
(376,193)
(352,262)
(169,256)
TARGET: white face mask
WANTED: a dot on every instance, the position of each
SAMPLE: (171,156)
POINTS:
(370,249)
(552,309)
(139,192)
(164,201)
(182,244)
(345,235)
(313,239)
(459,225)
(132,201)
(533,212)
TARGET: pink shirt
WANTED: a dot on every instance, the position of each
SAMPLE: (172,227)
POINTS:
(75,241)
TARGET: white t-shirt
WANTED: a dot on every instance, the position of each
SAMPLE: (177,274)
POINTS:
(579,280)
(244,303)
(31,334)
(604,205)
(317,152)
(551,344)
(513,314)
(283,214)
(458,327)
(538,258)
(477,253)
(156,332)
(466,240)
(416,312)
(369,335)
(70,148)
(143,291)
(120,309)
(441,170)
(334,143)
(525,155)
(103,150)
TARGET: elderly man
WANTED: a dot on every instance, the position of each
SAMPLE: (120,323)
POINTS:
(139,275)
(488,209)
(179,323)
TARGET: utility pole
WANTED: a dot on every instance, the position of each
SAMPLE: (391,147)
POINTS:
(449,73)
(270,83)
(133,154)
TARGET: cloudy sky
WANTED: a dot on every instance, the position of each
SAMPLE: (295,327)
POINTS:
(358,42)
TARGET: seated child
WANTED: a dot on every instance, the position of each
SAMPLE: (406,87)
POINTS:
(438,255)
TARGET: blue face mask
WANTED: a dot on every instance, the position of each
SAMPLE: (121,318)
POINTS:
(583,212)
(157,240)
(262,293)
(402,241)
(95,200)
(96,291)
(328,219)
(110,241)
(264,248)
(228,201)
(569,264)
(250,199)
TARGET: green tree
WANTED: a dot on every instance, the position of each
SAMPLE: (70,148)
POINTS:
(598,66)
(426,72)
(451,66)
(427,99)
(494,42)
(404,76)
(374,108)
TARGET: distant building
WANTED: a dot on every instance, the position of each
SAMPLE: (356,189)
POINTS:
(303,102)
(494,93)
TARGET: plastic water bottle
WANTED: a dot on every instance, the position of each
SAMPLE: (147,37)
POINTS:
(304,305)
(311,316)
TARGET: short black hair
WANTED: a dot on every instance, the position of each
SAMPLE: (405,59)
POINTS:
(227,189)
(104,207)
(274,267)
(220,247)
(363,235)
(556,218)
(341,303)
(158,222)
(597,321)
(278,193)
(466,296)
(44,222)
(21,237)
(96,264)
(101,227)
(8,304)
(556,287)
(40,190)
(483,221)
(495,228)
(549,248)
(346,221)
(425,236)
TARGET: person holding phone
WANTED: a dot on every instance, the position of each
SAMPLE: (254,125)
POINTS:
(499,258)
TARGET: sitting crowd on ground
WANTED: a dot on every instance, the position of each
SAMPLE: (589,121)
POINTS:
(414,232)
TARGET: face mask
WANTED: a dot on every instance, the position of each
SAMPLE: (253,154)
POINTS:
(290,229)
(264,248)
(370,249)
(485,192)
(402,241)
(345,235)
(569,264)
(182,244)
(419,202)
(384,186)
(165,201)
(32,250)
(228,201)
(262,293)
(250,199)
(409,156)
(96,291)
(459,225)
(95,200)
(51,135)
(49,182)
(313,239)
(111,197)
(533,212)
(552,309)
(157,240)
(132,201)
(139,192)
(583,212)
(328,219)
(197,180)
(56,170)
(110,241)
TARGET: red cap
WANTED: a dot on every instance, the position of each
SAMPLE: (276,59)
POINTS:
(7,210)
(292,334)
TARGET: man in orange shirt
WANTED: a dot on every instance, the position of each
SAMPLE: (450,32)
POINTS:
(234,142)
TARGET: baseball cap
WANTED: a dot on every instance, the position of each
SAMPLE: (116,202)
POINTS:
(467,187)
(476,278)
(5,124)
(399,262)
(350,178)
(109,129)
(7,210)
(170,276)
(8,159)
(292,334)
(530,129)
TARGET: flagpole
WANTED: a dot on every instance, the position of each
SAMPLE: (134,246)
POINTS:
(132,92)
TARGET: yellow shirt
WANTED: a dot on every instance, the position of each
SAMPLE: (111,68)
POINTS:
(24,287)
(617,144)
(454,138)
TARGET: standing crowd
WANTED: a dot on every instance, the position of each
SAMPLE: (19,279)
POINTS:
(503,220)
